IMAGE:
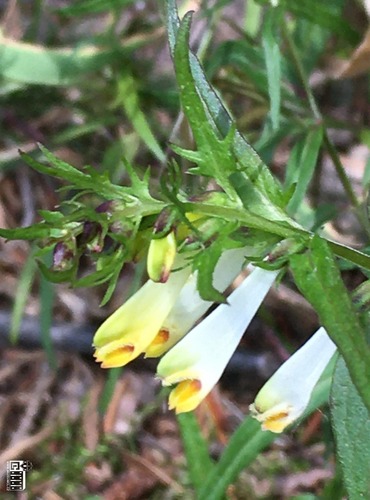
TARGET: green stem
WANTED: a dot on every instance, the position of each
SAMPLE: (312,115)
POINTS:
(328,143)
(256,222)
(247,218)
(346,183)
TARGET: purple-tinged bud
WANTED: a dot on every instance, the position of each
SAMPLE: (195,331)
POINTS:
(165,222)
(108,207)
(281,252)
(63,256)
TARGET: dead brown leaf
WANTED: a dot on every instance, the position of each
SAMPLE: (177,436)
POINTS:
(91,419)
(359,62)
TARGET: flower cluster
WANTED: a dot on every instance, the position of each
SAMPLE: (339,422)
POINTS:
(159,320)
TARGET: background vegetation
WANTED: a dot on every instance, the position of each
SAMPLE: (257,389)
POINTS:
(93,82)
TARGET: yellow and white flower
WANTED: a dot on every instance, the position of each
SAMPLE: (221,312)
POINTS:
(197,362)
(190,307)
(130,329)
(284,398)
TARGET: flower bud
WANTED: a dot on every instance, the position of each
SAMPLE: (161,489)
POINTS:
(161,256)
(63,255)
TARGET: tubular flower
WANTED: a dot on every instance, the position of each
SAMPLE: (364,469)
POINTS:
(130,329)
(197,362)
(161,256)
(190,307)
(286,395)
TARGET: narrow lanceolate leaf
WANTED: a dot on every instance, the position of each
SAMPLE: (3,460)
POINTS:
(256,203)
(36,64)
(217,115)
(273,65)
(195,446)
(21,296)
(317,276)
(129,97)
(352,433)
(325,15)
(215,155)
(214,152)
(205,262)
(91,180)
(33,232)
(305,167)
(88,7)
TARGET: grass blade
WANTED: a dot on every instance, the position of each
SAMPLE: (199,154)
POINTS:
(305,167)
(273,65)
(196,449)
(128,96)
(46,316)
(23,290)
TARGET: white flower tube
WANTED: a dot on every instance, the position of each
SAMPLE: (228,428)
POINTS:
(190,307)
(286,395)
(197,362)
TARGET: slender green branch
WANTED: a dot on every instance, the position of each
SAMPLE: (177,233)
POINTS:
(328,143)
(246,218)
(285,231)
(340,170)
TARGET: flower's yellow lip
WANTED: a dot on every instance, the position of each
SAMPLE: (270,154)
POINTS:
(276,423)
(157,346)
(114,356)
(286,395)
(161,338)
(186,396)
(274,419)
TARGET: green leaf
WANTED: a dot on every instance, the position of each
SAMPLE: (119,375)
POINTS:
(318,278)
(46,313)
(256,203)
(90,180)
(33,232)
(196,450)
(355,256)
(206,260)
(273,64)
(36,64)
(57,276)
(244,446)
(23,290)
(111,285)
(128,96)
(216,114)
(249,59)
(351,426)
(305,167)
(292,167)
(325,16)
(107,268)
(214,155)
(86,7)
(214,158)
